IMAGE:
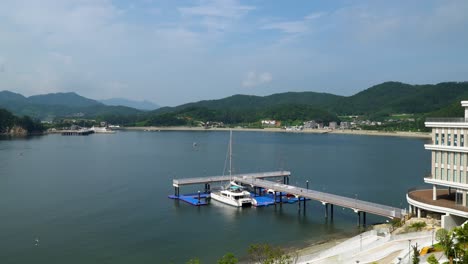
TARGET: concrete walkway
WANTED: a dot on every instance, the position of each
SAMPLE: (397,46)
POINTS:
(372,246)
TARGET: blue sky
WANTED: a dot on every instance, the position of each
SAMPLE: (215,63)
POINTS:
(173,52)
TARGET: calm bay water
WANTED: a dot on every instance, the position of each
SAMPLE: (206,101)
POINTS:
(103,198)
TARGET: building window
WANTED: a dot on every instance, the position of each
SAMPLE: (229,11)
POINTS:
(436,156)
(460,178)
(459,198)
(436,173)
(462,140)
(448,158)
(442,174)
(442,154)
(443,139)
(437,138)
(449,137)
(449,175)
(455,156)
(455,140)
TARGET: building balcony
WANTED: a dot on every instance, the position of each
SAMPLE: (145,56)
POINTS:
(446,148)
(445,203)
(447,120)
(429,179)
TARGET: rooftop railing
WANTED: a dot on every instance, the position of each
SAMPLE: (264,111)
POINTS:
(447,119)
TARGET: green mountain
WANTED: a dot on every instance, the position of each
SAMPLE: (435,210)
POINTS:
(376,102)
(68,99)
(49,106)
(243,102)
(396,97)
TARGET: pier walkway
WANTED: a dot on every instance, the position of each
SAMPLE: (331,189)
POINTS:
(327,198)
(256,180)
(207,180)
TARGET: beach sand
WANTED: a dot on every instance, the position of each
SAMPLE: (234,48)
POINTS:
(280,130)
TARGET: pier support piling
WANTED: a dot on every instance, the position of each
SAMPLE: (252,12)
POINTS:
(304,204)
(331,211)
(364,218)
(281,199)
(326,210)
(274,197)
(358,218)
(299,204)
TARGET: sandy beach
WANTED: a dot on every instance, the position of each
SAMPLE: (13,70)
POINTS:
(280,130)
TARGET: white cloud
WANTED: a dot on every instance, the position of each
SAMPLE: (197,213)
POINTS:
(217,8)
(313,16)
(215,15)
(254,79)
(289,27)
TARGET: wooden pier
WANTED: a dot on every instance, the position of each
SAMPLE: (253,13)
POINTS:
(81,132)
(256,180)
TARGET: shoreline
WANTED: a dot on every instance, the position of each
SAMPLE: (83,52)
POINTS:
(425,135)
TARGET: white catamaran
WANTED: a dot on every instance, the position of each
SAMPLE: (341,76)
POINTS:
(234,194)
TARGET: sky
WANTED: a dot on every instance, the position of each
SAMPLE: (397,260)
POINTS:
(173,52)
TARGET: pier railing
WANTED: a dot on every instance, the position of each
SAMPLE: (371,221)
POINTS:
(343,201)
(224,178)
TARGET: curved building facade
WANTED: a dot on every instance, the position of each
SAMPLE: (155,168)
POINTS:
(449,167)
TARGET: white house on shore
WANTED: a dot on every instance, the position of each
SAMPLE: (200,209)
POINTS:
(269,122)
(449,178)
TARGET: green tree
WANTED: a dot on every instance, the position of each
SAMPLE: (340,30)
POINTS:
(432,259)
(446,241)
(267,254)
(415,254)
(229,258)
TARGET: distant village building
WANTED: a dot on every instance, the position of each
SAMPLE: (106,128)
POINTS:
(320,125)
(345,125)
(310,124)
(269,122)
(332,125)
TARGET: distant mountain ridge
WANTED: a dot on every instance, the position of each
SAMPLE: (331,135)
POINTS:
(69,99)
(141,105)
(377,101)
(381,99)
(49,106)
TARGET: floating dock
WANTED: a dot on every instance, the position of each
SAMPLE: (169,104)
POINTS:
(193,199)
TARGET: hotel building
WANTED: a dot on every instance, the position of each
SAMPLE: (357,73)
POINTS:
(449,177)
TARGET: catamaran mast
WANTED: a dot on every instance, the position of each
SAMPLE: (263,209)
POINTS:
(230,154)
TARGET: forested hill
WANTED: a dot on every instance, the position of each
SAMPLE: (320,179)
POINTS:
(252,102)
(378,101)
(396,97)
(52,105)
(375,102)
(10,124)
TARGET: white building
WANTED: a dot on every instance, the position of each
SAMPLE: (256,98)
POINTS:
(449,178)
(310,124)
(269,122)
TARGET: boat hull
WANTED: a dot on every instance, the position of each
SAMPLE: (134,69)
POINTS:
(236,203)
